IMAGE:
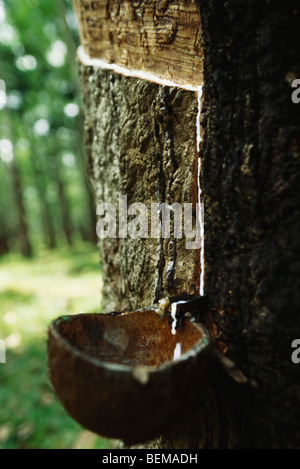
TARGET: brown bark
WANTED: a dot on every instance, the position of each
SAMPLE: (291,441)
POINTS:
(250,179)
(22,227)
(89,230)
(149,155)
(160,37)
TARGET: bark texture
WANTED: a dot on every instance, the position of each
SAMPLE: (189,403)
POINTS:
(250,179)
(140,140)
(160,37)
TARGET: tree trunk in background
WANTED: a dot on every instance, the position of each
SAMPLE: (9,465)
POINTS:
(63,202)
(47,224)
(4,244)
(140,140)
(22,228)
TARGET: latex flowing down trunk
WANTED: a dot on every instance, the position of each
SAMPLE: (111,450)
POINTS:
(149,156)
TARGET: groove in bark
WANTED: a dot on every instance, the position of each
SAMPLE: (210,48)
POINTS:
(140,139)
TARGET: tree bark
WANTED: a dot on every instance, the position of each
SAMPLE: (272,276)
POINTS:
(159,37)
(141,142)
(250,161)
(22,227)
(148,155)
(46,218)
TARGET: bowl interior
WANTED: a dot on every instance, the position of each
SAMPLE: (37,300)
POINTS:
(140,338)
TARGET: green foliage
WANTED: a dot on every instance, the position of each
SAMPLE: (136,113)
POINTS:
(45,202)
(40,117)
(33,293)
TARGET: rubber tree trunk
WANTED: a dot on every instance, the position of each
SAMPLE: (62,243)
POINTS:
(45,211)
(22,227)
(250,180)
(148,156)
(63,202)
(141,142)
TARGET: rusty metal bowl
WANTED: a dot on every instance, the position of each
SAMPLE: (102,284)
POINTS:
(116,374)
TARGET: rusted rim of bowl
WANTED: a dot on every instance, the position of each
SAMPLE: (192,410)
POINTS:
(202,344)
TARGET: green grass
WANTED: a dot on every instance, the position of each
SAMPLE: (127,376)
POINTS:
(33,293)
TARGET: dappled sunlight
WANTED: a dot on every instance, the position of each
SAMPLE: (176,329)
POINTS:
(49,261)
(32,294)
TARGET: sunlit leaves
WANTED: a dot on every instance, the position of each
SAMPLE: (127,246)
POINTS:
(26,63)
(56,55)
(71,110)
(41,127)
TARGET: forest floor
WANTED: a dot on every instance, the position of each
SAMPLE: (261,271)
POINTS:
(33,293)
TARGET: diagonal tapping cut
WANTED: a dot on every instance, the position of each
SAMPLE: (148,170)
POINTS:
(148,149)
(157,38)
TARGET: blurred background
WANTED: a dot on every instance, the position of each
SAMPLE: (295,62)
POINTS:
(49,262)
